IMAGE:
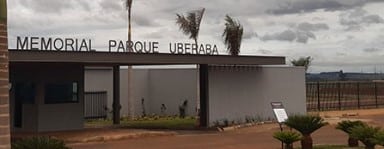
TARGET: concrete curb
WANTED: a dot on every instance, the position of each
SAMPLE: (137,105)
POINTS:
(232,128)
(119,137)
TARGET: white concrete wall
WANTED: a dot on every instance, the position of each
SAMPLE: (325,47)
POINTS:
(140,89)
(234,92)
(156,86)
(100,79)
(171,87)
(159,86)
(237,92)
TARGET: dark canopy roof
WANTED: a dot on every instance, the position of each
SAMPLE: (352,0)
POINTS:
(115,58)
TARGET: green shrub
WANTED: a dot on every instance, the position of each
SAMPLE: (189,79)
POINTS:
(346,127)
(39,143)
(287,137)
(183,109)
(305,124)
(365,134)
(378,138)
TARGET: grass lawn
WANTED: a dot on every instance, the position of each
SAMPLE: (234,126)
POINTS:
(148,123)
(334,147)
(162,123)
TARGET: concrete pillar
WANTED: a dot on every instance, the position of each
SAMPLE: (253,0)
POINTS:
(4,80)
(116,95)
(204,95)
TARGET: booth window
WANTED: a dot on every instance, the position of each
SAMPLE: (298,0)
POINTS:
(25,92)
(61,93)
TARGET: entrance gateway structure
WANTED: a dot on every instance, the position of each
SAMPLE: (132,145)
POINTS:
(48,87)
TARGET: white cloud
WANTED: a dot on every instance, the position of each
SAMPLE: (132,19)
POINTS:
(323,29)
(300,33)
(356,19)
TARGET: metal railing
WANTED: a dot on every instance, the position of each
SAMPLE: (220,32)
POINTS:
(95,105)
(323,96)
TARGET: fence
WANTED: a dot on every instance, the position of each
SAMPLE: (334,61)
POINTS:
(322,96)
(95,105)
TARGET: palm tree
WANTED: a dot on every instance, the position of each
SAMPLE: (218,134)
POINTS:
(4,61)
(233,34)
(190,24)
(346,126)
(128,6)
(306,125)
(287,137)
(303,61)
(366,134)
(3,12)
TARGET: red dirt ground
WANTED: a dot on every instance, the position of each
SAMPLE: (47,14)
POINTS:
(256,137)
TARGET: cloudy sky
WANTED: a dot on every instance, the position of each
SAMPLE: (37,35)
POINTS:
(339,34)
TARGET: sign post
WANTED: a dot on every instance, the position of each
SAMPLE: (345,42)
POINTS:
(280,114)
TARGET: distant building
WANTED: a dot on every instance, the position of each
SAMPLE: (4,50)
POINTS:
(341,76)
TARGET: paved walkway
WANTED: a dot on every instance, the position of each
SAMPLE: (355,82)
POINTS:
(256,137)
(99,134)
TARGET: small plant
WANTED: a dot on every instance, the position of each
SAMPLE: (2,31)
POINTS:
(183,109)
(163,109)
(378,138)
(306,125)
(226,122)
(248,119)
(239,121)
(365,134)
(346,127)
(257,118)
(143,107)
(39,143)
(233,122)
(287,137)
(216,123)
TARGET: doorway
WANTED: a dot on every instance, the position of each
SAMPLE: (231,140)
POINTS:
(24,94)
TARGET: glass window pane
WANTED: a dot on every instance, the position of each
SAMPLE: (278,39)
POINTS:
(61,93)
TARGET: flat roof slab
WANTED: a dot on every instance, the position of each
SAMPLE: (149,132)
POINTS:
(124,58)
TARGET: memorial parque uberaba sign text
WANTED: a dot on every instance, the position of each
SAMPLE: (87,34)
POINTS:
(75,44)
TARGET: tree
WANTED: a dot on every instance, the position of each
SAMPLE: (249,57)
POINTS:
(3,12)
(287,137)
(346,126)
(306,125)
(366,134)
(190,24)
(4,77)
(128,6)
(302,61)
(233,34)
(342,76)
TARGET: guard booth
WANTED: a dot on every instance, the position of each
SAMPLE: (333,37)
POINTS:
(46,96)
(47,87)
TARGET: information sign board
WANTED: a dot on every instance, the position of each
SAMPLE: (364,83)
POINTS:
(279,111)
